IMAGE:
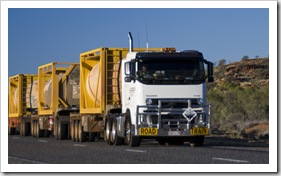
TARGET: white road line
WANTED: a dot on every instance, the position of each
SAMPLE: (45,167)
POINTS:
(79,145)
(42,141)
(27,160)
(242,148)
(231,160)
(139,151)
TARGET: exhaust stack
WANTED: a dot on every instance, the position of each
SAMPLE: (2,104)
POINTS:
(131,47)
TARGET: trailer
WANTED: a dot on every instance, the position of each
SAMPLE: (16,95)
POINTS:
(58,96)
(23,89)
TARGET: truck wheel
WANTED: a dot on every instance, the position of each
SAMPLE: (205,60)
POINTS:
(35,128)
(72,130)
(56,128)
(115,139)
(76,131)
(82,134)
(24,128)
(108,128)
(197,141)
(60,130)
(132,141)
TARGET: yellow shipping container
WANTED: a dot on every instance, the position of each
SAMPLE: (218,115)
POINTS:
(23,97)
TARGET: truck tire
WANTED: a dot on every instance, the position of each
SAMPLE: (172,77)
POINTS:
(35,128)
(115,139)
(72,130)
(197,141)
(108,127)
(24,128)
(76,134)
(132,141)
(60,130)
(81,133)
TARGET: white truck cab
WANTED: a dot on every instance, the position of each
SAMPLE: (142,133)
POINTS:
(164,96)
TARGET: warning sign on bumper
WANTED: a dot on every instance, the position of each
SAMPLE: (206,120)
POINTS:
(148,131)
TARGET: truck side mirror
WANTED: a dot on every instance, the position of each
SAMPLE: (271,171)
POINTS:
(127,68)
(129,71)
(210,72)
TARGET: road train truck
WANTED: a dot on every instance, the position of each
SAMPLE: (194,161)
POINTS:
(23,89)
(129,95)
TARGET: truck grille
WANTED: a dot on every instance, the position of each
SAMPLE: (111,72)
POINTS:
(174,103)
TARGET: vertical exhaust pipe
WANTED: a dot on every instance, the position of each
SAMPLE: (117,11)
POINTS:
(131,47)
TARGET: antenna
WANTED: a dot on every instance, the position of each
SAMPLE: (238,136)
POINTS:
(139,40)
(146,37)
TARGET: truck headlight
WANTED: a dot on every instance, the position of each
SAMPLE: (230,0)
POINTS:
(148,101)
(200,101)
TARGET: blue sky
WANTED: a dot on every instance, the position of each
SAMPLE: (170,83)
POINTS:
(38,36)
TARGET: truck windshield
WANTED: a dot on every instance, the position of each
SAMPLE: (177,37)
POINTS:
(171,71)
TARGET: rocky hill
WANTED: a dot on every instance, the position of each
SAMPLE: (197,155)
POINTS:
(248,73)
(240,98)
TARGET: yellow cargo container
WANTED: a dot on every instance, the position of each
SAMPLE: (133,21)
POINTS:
(100,90)
(23,95)
(58,95)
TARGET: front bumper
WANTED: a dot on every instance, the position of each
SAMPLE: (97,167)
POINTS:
(190,121)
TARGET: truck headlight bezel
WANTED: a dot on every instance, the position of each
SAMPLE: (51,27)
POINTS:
(148,101)
(200,101)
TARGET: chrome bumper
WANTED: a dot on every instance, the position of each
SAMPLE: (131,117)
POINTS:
(173,121)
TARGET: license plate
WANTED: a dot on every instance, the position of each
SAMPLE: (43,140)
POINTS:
(174,133)
(148,131)
(198,131)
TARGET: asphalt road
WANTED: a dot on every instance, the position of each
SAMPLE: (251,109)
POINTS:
(29,150)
